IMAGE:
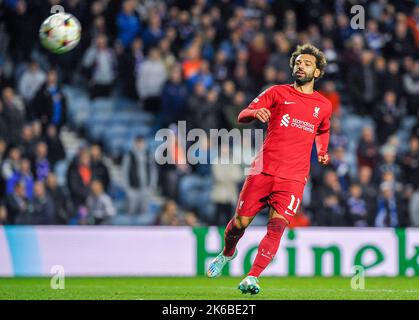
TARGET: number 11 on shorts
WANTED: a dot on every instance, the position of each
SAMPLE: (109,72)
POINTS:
(290,207)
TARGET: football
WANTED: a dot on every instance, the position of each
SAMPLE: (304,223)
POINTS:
(60,32)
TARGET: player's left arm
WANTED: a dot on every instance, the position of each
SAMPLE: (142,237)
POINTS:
(322,139)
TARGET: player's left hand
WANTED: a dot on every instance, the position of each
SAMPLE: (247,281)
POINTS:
(324,159)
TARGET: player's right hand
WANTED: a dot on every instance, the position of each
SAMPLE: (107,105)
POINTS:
(324,159)
(262,115)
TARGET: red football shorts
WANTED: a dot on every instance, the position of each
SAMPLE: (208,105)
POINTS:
(262,190)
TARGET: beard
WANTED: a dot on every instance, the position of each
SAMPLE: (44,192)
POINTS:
(301,80)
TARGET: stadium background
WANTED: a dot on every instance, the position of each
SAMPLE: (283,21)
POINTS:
(77,132)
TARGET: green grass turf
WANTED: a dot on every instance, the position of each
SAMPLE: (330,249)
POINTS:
(202,288)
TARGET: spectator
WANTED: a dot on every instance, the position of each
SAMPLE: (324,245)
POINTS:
(23,26)
(333,68)
(344,31)
(374,38)
(17,206)
(269,24)
(24,176)
(401,43)
(41,164)
(410,82)
(243,81)
(30,82)
(3,122)
(388,212)
(63,209)
(269,77)
(231,111)
(174,98)
(406,196)
(192,63)
(185,28)
(357,207)
(412,23)
(208,116)
(194,103)
(414,209)
(341,167)
(191,219)
(173,166)
(410,163)
(3,214)
(128,23)
(327,26)
(380,68)
(168,58)
(140,176)
(43,209)
(258,57)
(12,100)
(28,142)
(99,204)
(129,66)
(150,81)
(367,151)
(232,45)
(37,130)
(227,93)
(12,163)
(280,58)
(99,169)
(338,138)
(55,146)
(13,114)
(79,176)
(3,147)
(169,216)
(328,202)
(154,32)
(220,67)
(329,91)
(362,84)
(388,116)
(369,191)
(352,53)
(50,104)
(388,163)
(203,76)
(393,81)
(101,62)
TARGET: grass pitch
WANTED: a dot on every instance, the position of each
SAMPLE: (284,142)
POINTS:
(202,288)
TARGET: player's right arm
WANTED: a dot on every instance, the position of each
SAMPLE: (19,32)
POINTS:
(259,108)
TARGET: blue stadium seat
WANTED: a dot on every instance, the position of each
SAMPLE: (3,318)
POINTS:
(195,194)
(100,105)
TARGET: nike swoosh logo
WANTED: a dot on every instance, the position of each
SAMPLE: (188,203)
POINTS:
(289,102)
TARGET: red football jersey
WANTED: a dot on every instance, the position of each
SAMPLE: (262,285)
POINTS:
(297,120)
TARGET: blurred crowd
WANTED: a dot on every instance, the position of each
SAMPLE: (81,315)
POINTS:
(203,61)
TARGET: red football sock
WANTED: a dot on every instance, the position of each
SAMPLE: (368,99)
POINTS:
(268,246)
(232,235)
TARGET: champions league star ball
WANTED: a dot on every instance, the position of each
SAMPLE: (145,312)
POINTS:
(60,32)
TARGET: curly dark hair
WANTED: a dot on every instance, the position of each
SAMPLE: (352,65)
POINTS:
(311,50)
